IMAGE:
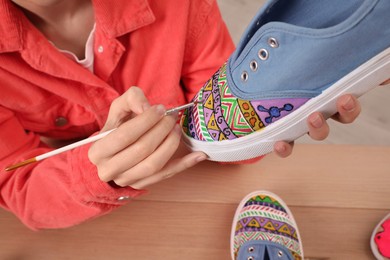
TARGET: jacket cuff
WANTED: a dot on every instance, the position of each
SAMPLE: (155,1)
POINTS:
(88,186)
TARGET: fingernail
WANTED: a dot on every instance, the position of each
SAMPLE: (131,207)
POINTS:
(145,106)
(349,104)
(178,128)
(316,121)
(160,109)
(201,158)
(386,82)
(280,148)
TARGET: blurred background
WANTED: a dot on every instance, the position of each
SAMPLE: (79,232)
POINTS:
(373,125)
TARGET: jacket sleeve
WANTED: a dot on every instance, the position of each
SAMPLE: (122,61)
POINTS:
(58,192)
(208,45)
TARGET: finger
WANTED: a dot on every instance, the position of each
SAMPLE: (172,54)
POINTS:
(154,163)
(126,134)
(283,149)
(348,108)
(172,168)
(386,82)
(132,101)
(318,128)
(142,148)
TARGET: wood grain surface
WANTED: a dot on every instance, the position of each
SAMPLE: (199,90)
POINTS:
(337,194)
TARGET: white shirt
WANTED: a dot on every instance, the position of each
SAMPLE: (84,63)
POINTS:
(87,62)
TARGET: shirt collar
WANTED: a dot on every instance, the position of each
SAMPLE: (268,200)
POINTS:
(114,19)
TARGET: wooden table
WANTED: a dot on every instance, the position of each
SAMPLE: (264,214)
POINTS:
(337,194)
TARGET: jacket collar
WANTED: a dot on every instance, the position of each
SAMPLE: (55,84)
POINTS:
(114,19)
(10,27)
(122,16)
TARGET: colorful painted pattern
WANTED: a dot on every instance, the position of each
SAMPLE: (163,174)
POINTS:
(219,115)
(264,218)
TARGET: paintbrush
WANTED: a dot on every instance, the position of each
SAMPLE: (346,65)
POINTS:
(82,142)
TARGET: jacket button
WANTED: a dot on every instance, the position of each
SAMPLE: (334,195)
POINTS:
(60,121)
(123,198)
(100,49)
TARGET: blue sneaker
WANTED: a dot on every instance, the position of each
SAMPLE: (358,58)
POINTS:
(295,58)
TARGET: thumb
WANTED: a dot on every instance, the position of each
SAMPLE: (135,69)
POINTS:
(133,102)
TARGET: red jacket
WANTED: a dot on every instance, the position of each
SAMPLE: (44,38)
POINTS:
(168,48)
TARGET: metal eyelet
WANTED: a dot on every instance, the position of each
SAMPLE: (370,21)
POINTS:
(254,66)
(280,253)
(251,258)
(251,249)
(244,76)
(273,42)
(263,54)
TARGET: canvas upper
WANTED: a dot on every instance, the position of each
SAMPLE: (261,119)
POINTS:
(293,52)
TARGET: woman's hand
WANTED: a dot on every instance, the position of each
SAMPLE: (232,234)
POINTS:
(348,108)
(138,153)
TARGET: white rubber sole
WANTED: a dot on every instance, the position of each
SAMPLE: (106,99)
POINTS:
(242,203)
(366,77)
(374,248)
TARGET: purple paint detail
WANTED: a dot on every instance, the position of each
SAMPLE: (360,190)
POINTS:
(272,110)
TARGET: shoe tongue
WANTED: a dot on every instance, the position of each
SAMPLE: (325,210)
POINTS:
(258,21)
(265,249)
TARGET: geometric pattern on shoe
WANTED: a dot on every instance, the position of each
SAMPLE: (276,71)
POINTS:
(219,115)
(264,218)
